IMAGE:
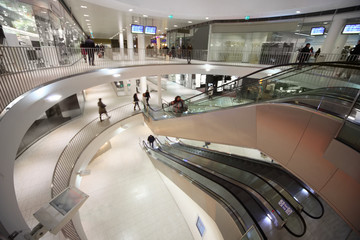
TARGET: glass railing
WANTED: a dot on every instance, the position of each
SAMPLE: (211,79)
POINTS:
(326,87)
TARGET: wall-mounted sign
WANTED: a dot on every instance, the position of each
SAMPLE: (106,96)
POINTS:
(316,31)
(150,30)
(137,28)
(351,29)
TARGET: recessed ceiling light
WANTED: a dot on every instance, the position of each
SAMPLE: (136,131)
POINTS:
(297,11)
(189,21)
(87,20)
(130,10)
(175,25)
(136,21)
(325,23)
(145,15)
(166,28)
(207,18)
(82,6)
(85,15)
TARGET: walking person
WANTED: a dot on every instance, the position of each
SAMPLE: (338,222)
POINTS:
(136,102)
(211,91)
(151,140)
(90,50)
(189,52)
(147,97)
(102,109)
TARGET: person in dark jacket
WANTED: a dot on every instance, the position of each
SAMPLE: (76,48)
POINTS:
(147,97)
(304,54)
(354,53)
(151,140)
(102,109)
(136,101)
(90,50)
(189,53)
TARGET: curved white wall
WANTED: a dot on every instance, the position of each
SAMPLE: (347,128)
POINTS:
(30,106)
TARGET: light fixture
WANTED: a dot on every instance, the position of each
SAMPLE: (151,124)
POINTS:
(116,75)
(166,28)
(89,24)
(85,15)
(145,15)
(136,21)
(43,12)
(87,20)
(206,18)
(189,21)
(123,29)
(53,98)
(82,6)
(130,10)
(325,23)
(159,30)
(297,11)
(175,25)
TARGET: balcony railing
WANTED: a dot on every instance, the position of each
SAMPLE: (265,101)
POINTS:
(25,68)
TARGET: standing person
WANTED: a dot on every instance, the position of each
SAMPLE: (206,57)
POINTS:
(211,91)
(147,97)
(102,109)
(304,54)
(90,48)
(179,106)
(189,52)
(317,53)
(83,51)
(173,54)
(151,140)
(354,53)
(102,50)
(136,101)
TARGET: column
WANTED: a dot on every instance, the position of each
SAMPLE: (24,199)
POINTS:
(247,48)
(159,89)
(121,43)
(143,85)
(141,47)
(130,45)
(330,43)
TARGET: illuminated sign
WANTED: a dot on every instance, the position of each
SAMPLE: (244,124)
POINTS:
(351,29)
(316,31)
(200,226)
(150,30)
(137,28)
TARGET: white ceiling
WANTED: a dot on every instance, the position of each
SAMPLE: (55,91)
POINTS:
(108,17)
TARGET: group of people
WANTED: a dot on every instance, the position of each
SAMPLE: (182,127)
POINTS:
(146,96)
(182,52)
(89,48)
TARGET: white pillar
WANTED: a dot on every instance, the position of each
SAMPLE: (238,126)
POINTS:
(121,43)
(142,85)
(333,34)
(141,47)
(130,46)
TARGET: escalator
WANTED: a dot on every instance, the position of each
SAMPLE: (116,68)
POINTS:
(259,197)
(291,115)
(274,174)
